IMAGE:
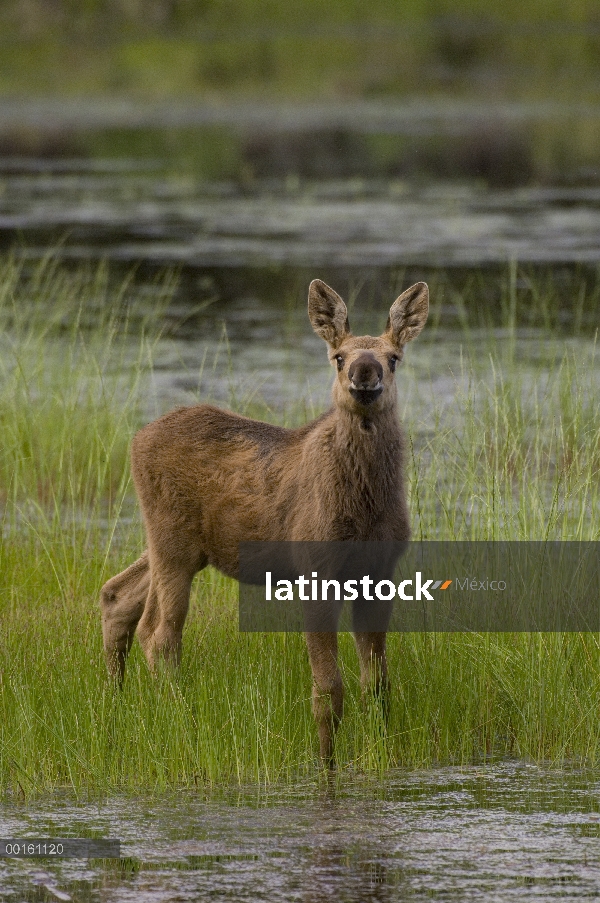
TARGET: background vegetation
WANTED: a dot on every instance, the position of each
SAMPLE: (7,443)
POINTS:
(307,49)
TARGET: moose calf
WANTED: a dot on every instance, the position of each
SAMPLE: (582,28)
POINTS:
(209,479)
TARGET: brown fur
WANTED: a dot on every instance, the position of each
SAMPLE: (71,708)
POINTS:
(209,479)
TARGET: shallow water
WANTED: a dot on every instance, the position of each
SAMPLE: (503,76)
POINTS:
(187,185)
(291,376)
(129,216)
(498,832)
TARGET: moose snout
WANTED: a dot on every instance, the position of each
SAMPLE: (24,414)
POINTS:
(365,372)
(366,379)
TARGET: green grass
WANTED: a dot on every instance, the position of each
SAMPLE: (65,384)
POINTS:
(514,455)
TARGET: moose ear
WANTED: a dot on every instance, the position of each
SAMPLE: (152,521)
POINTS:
(327,313)
(408,315)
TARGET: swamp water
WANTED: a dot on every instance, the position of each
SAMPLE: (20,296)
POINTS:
(494,832)
(507,831)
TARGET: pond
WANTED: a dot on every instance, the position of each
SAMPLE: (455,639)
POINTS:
(249,202)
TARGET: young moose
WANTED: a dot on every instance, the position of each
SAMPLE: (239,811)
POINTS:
(208,479)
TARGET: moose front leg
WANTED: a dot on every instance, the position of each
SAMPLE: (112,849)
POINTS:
(328,690)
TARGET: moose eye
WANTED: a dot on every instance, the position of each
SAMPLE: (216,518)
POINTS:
(393,362)
(339,358)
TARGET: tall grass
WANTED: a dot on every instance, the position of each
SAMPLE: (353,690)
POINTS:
(512,453)
(516,455)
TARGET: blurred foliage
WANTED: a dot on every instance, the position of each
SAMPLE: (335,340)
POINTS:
(35,17)
(163,48)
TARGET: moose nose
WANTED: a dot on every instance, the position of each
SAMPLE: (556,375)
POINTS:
(365,372)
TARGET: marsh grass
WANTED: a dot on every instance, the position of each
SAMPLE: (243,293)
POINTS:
(513,455)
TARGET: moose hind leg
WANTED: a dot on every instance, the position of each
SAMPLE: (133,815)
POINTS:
(373,666)
(122,601)
(161,627)
(328,690)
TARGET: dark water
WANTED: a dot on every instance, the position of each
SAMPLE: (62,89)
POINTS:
(500,832)
(128,216)
(249,202)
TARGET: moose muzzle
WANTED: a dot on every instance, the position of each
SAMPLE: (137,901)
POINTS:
(366,378)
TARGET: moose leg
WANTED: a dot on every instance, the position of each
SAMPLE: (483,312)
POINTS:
(161,626)
(373,666)
(122,600)
(328,691)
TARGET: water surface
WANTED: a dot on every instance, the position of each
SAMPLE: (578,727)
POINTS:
(497,832)
(420,182)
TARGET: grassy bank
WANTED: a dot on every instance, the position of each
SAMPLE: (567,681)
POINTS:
(308,49)
(511,452)
(365,59)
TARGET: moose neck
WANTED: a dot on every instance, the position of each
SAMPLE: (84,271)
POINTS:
(363,475)
(368,428)
(369,447)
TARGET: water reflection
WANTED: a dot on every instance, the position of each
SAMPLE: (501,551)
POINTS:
(349,185)
(173,221)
